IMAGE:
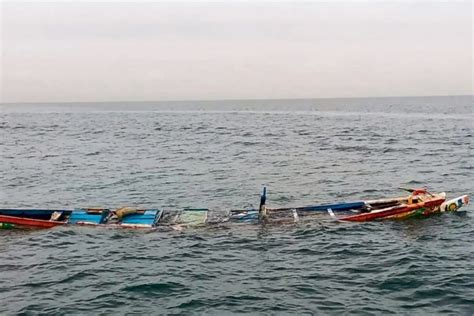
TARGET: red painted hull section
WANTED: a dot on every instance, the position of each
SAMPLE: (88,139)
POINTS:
(393,211)
(29,222)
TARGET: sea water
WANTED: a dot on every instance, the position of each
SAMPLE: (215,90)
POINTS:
(217,155)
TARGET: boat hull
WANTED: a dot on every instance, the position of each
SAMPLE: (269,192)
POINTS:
(29,222)
(44,214)
(392,212)
(394,208)
(452,205)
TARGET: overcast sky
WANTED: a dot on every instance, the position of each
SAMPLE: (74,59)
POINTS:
(139,51)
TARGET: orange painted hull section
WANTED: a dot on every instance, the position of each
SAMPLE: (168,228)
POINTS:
(393,211)
(29,222)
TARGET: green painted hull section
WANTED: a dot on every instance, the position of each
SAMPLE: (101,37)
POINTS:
(192,217)
(7,226)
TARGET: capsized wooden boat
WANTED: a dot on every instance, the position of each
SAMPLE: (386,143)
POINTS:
(419,203)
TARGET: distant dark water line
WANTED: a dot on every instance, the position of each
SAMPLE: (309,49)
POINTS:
(443,104)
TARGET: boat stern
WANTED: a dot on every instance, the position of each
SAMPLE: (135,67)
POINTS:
(454,204)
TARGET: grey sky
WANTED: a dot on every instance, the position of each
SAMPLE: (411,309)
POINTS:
(91,51)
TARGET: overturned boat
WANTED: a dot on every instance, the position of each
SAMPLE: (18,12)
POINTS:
(419,203)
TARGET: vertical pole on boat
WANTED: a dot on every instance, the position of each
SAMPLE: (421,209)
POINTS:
(262,211)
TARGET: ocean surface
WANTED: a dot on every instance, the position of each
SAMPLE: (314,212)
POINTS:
(218,154)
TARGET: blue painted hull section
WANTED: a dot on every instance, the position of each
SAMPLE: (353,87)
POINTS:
(337,207)
(82,216)
(149,218)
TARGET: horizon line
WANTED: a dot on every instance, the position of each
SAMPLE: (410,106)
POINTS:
(237,99)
